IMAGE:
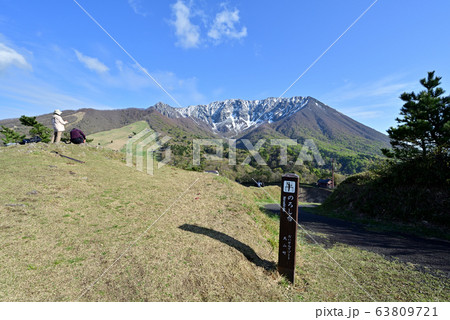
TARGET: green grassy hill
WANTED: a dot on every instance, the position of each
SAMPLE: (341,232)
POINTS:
(102,231)
(415,192)
(116,139)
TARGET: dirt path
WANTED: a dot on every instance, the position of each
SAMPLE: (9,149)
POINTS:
(422,252)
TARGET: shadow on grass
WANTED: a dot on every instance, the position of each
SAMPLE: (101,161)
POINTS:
(247,251)
(271,212)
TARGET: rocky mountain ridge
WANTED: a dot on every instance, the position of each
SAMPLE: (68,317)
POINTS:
(234,116)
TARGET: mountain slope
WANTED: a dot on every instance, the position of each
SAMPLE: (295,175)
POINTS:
(92,121)
(177,126)
(238,117)
(296,118)
(330,128)
(231,117)
(317,117)
(88,120)
(293,118)
(116,139)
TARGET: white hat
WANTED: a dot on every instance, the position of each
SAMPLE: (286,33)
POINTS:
(58,112)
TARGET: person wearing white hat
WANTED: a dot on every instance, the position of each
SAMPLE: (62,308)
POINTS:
(58,126)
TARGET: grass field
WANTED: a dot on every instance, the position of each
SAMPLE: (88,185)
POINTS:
(116,139)
(101,231)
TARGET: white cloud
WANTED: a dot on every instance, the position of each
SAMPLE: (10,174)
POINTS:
(386,88)
(224,26)
(91,63)
(136,5)
(188,34)
(38,97)
(185,90)
(383,89)
(130,77)
(375,103)
(363,112)
(10,57)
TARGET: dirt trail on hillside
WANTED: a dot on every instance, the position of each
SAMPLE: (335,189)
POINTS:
(423,252)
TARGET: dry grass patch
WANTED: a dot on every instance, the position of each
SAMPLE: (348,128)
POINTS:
(64,223)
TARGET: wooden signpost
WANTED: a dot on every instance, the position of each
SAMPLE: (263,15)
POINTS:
(288,225)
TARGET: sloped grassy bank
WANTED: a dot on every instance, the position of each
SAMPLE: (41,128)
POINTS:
(415,192)
(101,231)
(64,223)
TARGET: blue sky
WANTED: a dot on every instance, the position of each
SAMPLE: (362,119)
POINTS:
(52,55)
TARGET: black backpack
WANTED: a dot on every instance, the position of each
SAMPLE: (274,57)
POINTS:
(31,140)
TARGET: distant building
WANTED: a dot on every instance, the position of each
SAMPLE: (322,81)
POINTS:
(325,183)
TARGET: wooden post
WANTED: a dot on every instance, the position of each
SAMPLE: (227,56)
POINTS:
(288,226)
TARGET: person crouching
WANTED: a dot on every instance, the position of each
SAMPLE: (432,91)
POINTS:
(77,136)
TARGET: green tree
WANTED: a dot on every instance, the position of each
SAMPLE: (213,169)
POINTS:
(11,136)
(424,128)
(38,129)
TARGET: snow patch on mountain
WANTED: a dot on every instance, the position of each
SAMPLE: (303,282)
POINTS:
(236,115)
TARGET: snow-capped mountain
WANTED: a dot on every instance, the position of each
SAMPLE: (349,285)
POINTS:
(295,118)
(235,115)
